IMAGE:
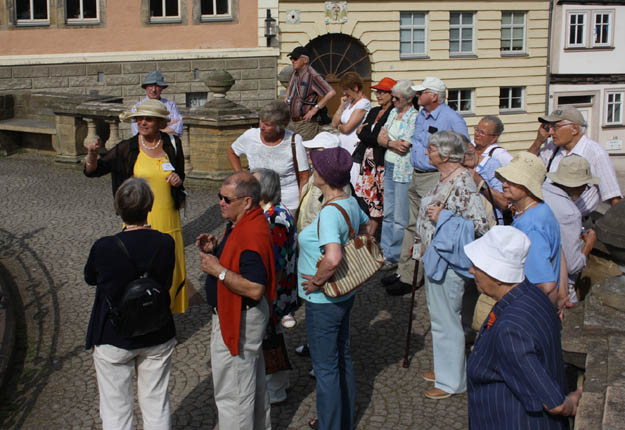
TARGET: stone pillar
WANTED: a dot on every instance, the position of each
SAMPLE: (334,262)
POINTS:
(70,134)
(114,137)
(186,149)
(91,131)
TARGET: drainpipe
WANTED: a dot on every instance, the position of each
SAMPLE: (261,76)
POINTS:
(548,79)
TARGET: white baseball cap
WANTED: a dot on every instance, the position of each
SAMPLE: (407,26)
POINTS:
(324,140)
(500,253)
(430,83)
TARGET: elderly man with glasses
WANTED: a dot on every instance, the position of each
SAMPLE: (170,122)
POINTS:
(239,286)
(567,129)
(154,85)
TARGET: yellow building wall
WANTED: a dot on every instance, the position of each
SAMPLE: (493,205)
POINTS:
(376,26)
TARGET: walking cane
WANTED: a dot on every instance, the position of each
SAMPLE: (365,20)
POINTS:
(415,277)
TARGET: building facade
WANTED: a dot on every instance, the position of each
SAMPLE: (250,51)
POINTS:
(588,70)
(492,55)
(107,47)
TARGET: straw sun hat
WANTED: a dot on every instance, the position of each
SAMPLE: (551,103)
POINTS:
(525,169)
(150,107)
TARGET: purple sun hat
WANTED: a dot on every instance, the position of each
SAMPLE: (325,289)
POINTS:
(333,165)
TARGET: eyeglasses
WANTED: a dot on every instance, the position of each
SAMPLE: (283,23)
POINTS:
(555,127)
(482,132)
(381,93)
(396,98)
(431,148)
(424,92)
(229,200)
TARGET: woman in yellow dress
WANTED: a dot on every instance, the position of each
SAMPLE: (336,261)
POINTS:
(157,157)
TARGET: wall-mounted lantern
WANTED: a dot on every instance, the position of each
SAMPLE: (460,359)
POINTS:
(270,27)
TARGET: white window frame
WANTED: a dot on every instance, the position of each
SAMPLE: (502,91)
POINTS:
(610,24)
(621,120)
(511,109)
(165,18)
(584,28)
(412,27)
(512,26)
(459,99)
(215,16)
(462,27)
(32,20)
(81,19)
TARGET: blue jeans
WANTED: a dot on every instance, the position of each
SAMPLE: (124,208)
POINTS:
(396,215)
(327,329)
(444,304)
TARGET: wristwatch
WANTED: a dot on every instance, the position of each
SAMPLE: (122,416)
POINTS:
(318,107)
(222,275)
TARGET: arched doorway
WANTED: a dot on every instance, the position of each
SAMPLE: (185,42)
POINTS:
(335,54)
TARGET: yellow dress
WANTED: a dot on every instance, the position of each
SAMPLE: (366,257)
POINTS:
(166,219)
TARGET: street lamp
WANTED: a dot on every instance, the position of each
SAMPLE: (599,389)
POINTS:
(270,27)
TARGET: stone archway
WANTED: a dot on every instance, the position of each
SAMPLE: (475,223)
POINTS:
(335,54)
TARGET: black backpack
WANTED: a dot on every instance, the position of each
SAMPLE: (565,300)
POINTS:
(144,305)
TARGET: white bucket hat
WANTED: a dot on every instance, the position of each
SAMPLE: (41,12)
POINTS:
(573,171)
(500,253)
(323,140)
(150,107)
(525,169)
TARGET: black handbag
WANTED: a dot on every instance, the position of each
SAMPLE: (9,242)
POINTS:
(144,305)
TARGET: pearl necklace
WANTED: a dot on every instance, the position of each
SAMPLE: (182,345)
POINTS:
(156,145)
(531,205)
(136,227)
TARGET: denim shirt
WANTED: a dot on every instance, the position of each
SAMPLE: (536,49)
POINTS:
(428,123)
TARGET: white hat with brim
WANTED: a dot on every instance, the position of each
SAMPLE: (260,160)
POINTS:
(151,107)
(500,253)
(324,140)
(525,169)
(573,171)
(430,83)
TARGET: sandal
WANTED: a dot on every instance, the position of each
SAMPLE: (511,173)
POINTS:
(313,424)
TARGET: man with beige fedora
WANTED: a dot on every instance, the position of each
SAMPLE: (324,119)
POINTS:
(567,129)
(153,85)
(567,184)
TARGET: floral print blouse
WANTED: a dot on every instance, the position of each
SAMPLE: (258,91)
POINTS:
(283,235)
(401,129)
(463,201)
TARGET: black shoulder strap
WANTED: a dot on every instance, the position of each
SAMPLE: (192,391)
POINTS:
(121,246)
(492,202)
(490,153)
(552,157)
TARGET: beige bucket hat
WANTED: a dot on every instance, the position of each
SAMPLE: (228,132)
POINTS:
(525,169)
(151,107)
(573,171)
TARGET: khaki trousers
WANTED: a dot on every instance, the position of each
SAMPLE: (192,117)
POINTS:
(306,129)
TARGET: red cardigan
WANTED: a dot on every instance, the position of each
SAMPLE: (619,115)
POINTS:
(250,233)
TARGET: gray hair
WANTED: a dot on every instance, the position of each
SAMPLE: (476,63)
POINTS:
(245,185)
(442,96)
(277,112)
(449,145)
(404,89)
(494,120)
(269,180)
(133,200)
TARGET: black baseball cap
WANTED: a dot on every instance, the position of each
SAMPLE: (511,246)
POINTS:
(298,52)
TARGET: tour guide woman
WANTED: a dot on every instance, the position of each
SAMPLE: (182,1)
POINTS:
(151,155)
(327,319)
(117,359)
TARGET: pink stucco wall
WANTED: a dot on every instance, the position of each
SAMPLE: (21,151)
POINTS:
(125,31)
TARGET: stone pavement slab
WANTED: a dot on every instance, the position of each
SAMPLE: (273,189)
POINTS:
(49,218)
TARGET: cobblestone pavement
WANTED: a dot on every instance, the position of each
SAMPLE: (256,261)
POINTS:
(49,218)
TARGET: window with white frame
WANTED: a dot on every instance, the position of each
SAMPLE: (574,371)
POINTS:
(164,10)
(510,99)
(602,28)
(576,29)
(461,33)
(412,34)
(211,9)
(33,12)
(513,32)
(82,11)
(614,107)
(461,100)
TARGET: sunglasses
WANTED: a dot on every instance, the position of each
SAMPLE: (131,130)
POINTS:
(395,98)
(229,200)
(381,92)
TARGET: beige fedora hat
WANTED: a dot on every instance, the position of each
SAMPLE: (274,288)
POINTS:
(525,169)
(573,171)
(150,107)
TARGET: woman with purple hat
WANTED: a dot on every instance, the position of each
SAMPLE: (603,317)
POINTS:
(327,319)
